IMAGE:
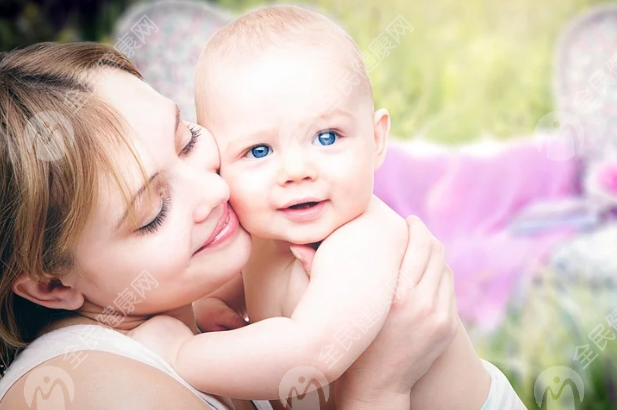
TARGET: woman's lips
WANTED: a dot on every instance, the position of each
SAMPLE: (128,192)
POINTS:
(304,213)
(225,228)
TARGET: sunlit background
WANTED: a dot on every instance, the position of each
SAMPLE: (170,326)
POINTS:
(529,233)
(471,68)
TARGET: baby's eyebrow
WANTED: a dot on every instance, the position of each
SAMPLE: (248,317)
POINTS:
(337,112)
(246,140)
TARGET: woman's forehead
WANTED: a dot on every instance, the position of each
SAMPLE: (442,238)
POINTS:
(150,122)
(147,113)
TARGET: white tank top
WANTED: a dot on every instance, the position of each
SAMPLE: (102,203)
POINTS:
(78,338)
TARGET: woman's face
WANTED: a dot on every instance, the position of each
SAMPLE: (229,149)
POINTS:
(186,236)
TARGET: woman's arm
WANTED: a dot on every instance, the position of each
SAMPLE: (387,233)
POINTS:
(108,381)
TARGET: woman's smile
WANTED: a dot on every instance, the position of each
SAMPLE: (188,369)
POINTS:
(225,228)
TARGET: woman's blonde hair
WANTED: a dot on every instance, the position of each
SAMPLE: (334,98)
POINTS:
(56,139)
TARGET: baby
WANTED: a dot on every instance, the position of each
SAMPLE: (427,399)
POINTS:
(285,93)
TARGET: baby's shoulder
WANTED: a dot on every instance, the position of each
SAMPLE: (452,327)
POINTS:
(377,224)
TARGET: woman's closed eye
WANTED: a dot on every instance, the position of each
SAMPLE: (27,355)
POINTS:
(155,223)
(195,133)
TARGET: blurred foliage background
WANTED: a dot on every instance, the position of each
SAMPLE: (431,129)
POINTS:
(470,69)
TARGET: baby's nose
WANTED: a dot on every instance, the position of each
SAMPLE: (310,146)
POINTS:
(296,168)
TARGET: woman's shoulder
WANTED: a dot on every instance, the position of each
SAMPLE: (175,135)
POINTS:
(104,380)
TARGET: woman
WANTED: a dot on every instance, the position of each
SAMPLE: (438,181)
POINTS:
(103,222)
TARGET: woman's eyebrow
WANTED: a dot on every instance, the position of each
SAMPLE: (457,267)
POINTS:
(177,118)
(137,195)
(141,190)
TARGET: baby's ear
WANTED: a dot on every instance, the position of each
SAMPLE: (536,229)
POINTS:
(381,126)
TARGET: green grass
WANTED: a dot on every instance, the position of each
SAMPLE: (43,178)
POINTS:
(555,317)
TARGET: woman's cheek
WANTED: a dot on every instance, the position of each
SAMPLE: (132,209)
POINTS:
(170,251)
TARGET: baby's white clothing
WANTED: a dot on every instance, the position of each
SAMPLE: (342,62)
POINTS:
(501,396)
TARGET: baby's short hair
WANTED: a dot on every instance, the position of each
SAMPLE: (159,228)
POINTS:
(287,26)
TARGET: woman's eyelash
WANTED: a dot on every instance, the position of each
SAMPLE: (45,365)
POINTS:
(191,144)
(158,220)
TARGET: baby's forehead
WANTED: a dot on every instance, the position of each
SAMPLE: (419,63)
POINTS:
(279,55)
(314,75)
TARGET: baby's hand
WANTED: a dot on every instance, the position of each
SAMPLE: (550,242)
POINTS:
(214,315)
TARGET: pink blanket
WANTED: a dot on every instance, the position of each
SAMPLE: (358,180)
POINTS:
(468,201)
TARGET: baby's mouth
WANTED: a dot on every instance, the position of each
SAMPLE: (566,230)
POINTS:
(303,205)
(304,211)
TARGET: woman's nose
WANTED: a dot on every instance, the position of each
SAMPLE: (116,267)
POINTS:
(205,191)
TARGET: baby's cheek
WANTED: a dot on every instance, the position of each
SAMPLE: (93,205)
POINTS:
(242,199)
(353,174)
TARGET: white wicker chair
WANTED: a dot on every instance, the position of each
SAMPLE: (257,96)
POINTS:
(167,51)
(586,78)
(586,86)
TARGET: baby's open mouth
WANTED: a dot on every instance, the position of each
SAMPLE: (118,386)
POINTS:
(308,210)
(304,205)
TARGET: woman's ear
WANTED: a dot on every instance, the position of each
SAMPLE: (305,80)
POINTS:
(48,292)
(381,126)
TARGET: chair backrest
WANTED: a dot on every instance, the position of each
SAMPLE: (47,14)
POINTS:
(586,78)
(164,39)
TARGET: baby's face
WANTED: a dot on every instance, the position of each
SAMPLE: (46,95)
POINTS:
(298,146)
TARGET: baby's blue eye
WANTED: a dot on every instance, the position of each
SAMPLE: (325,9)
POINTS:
(260,151)
(327,138)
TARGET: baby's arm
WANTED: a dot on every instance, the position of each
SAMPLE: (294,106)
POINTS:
(353,277)
(358,262)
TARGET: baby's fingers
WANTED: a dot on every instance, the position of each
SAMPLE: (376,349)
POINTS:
(230,319)
(219,318)
(305,255)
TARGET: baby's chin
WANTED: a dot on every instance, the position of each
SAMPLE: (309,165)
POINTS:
(303,235)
